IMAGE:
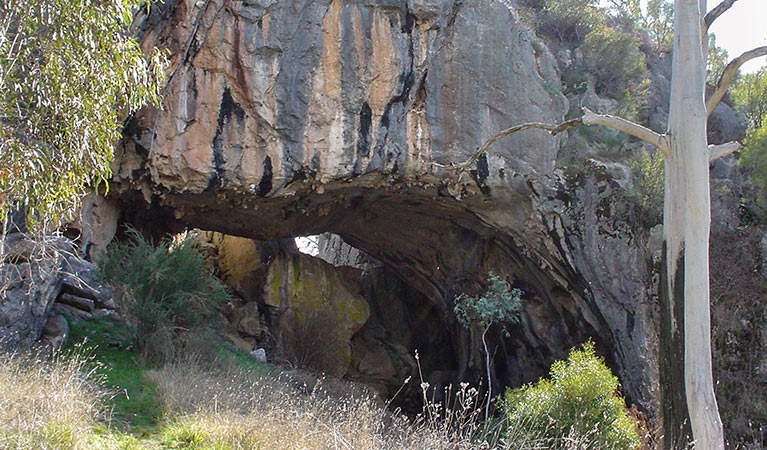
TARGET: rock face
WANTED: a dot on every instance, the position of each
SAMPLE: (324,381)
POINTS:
(295,118)
(320,312)
(43,275)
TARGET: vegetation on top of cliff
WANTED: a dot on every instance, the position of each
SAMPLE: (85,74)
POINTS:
(600,51)
(69,73)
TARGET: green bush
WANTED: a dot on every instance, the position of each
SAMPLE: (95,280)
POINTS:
(499,303)
(613,58)
(753,161)
(579,403)
(648,171)
(166,291)
(569,21)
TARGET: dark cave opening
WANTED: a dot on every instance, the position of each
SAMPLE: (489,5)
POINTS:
(421,251)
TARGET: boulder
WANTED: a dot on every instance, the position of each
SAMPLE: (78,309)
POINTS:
(82,279)
(241,262)
(317,307)
(28,291)
(247,320)
(71,311)
(56,331)
(74,301)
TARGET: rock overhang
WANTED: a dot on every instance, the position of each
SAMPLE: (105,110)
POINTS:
(291,118)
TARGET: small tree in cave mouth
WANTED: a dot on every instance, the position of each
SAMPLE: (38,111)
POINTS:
(500,303)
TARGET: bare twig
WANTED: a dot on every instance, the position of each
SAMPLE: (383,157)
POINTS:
(715,13)
(729,73)
(717,151)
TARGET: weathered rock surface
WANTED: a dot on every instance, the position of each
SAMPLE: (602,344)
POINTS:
(39,276)
(29,291)
(316,304)
(296,118)
(242,263)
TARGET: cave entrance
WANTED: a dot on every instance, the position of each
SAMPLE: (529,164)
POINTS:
(408,254)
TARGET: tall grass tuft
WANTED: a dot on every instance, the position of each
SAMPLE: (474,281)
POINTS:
(48,404)
(234,409)
(167,293)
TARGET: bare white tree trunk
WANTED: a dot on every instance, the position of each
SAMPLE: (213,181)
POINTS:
(686,223)
(487,369)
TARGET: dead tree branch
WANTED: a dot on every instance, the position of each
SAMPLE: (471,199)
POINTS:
(553,129)
(715,13)
(626,126)
(717,151)
(729,73)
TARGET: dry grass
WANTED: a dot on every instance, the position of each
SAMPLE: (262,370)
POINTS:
(233,409)
(47,404)
(56,405)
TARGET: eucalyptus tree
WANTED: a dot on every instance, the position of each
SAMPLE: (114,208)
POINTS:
(69,74)
(688,403)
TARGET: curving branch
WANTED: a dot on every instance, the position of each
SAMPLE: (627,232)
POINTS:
(717,151)
(553,129)
(626,126)
(715,13)
(729,73)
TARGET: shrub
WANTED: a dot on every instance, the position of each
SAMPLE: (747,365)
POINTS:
(610,55)
(753,161)
(613,58)
(578,403)
(569,21)
(499,303)
(648,172)
(166,291)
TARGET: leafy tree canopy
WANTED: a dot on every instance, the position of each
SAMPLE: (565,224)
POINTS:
(498,304)
(69,74)
(750,96)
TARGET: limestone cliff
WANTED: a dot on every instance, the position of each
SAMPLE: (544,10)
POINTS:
(293,118)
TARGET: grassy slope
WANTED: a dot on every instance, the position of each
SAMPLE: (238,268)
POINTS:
(136,420)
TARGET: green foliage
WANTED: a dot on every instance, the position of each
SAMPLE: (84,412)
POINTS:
(618,67)
(750,96)
(717,60)
(610,55)
(69,73)
(657,20)
(579,402)
(569,21)
(500,303)
(753,160)
(166,291)
(648,170)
